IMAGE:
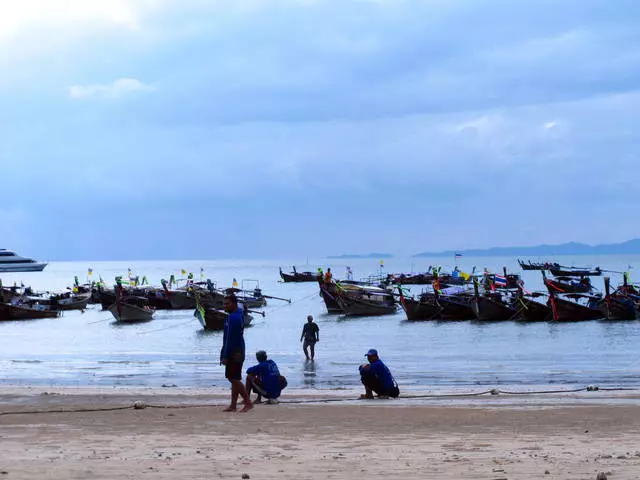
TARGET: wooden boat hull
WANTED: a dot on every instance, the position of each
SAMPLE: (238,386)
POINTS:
(568,311)
(329,294)
(362,308)
(23,312)
(569,287)
(214,319)
(456,307)
(532,266)
(253,302)
(299,277)
(559,272)
(124,312)
(490,309)
(620,308)
(427,308)
(78,302)
(182,300)
(532,311)
(408,279)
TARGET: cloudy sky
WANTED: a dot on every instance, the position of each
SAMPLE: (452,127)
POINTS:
(201,129)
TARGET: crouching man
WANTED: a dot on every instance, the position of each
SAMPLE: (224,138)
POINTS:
(265,379)
(377,378)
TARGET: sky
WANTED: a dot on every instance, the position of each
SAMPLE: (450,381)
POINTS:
(203,129)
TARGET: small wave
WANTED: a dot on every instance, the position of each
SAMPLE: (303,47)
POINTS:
(26,361)
(123,362)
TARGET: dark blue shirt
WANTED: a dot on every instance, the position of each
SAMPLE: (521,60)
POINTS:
(233,337)
(380,370)
(269,376)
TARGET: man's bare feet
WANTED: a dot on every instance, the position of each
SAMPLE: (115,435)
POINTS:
(229,409)
(258,401)
(366,397)
(246,408)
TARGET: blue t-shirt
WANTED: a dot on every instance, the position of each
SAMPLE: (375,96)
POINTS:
(380,370)
(269,376)
(233,337)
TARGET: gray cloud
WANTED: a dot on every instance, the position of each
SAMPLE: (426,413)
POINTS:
(401,126)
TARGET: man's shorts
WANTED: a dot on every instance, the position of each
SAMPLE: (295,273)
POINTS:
(308,343)
(233,368)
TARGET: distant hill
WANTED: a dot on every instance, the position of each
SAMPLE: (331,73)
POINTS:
(365,255)
(630,247)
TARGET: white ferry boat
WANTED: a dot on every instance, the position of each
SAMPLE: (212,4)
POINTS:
(10,262)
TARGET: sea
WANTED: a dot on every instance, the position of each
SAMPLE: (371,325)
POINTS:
(88,349)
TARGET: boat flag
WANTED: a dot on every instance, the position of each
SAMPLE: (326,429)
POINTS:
(458,255)
(183,271)
(381,263)
(235,283)
(465,276)
(500,280)
(90,272)
(199,313)
(201,273)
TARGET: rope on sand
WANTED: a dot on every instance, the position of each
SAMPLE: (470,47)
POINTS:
(140,405)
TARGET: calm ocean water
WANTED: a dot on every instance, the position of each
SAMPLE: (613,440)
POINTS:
(88,349)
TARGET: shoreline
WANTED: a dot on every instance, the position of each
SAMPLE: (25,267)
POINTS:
(39,397)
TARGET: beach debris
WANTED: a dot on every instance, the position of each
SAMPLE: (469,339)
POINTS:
(4,472)
(139,405)
(245,475)
(601,476)
(494,391)
(169,385)
(547,472)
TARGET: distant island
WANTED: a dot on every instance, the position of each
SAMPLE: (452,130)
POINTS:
(365,255)
(630,247)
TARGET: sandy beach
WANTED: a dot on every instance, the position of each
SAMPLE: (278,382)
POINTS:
(184,434)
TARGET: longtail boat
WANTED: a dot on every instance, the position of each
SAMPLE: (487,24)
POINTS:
(573,306)
(622,304)
(10,311)
(359,300)
(531,310)
(490,306)
(426,307)
(529,265)
(297,277)
(329,294)
(575,272)
(131,309)
(570,285)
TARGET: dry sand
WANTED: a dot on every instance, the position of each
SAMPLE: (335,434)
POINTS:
(570,437)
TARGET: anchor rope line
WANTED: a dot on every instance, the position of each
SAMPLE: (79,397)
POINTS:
(139,405)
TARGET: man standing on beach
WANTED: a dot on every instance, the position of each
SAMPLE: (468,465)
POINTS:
(232,353)
(376,377)
(310,335)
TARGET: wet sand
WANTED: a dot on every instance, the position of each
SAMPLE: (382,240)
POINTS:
(184,434)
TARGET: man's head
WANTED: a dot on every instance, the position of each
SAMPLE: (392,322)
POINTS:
(261,356)
(309,318)
(230,303)
(372,355)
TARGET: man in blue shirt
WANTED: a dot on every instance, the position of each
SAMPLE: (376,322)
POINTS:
(232,352)
(377,378)
(265,379)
